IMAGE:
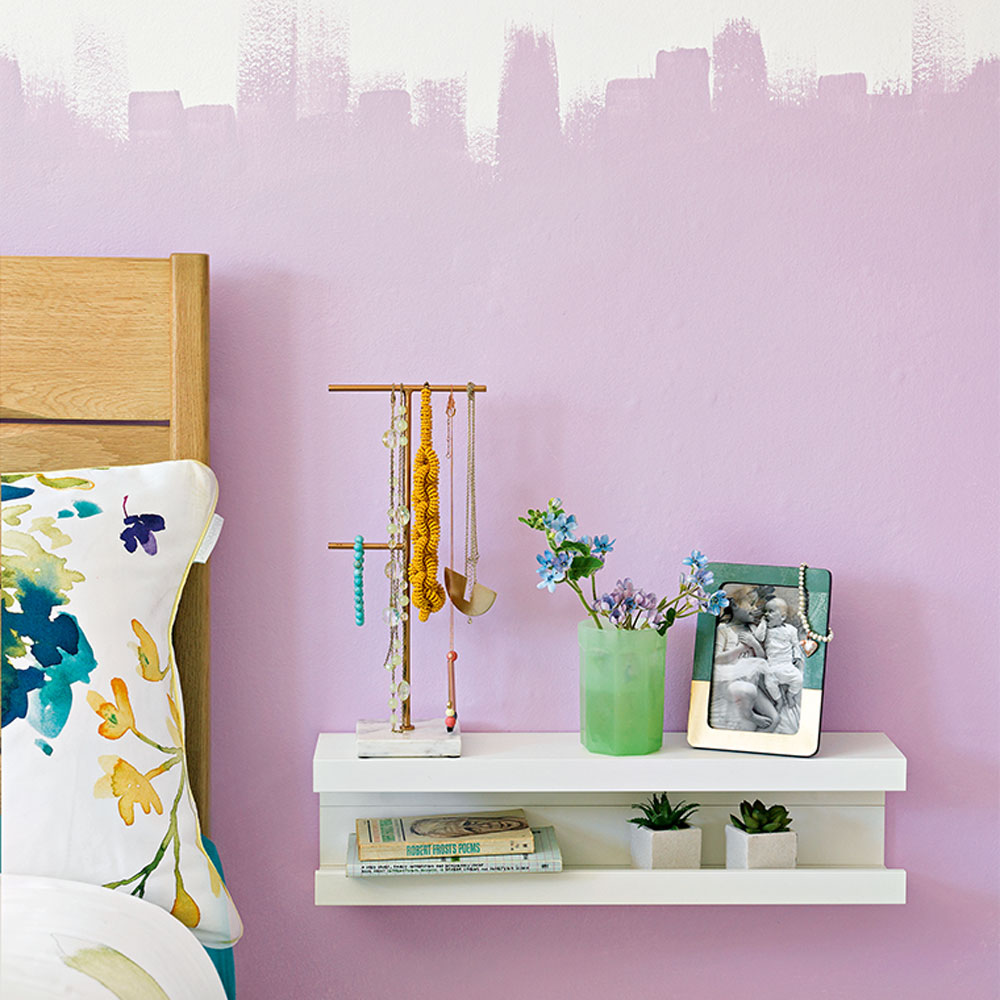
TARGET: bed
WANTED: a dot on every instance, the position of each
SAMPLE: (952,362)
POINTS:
(104,362)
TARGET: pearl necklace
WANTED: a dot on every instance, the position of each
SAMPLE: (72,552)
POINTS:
(804,609)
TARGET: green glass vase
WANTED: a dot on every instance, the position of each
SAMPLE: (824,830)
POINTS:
(621,689)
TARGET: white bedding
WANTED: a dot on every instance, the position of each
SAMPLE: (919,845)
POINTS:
(61,939)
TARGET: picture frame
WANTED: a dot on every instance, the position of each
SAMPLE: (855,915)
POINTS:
(759,668)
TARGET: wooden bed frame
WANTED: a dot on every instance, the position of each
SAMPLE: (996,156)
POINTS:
(104,361)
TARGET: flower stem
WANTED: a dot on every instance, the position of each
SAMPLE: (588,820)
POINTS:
(153,743)
(171,834)
(583,600)
(163,767)
(150,867)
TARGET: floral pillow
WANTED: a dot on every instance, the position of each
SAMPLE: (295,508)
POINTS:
(95,783)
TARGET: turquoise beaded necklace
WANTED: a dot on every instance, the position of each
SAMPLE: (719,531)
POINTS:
(359,580)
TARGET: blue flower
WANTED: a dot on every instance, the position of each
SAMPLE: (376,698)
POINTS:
(602,544)
(717,602)
(561,526)
(704,578)
(697,559)
(546,560)
(552,568)
(569,527)
(139,530)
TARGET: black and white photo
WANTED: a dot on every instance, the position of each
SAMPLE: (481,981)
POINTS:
(759,661)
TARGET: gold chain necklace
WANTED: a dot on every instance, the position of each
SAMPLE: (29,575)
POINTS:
(471,526)
(451,709)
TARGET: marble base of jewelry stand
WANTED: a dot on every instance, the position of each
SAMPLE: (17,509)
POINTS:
(428,738)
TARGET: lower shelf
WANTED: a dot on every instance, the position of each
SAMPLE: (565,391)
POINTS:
(585,886)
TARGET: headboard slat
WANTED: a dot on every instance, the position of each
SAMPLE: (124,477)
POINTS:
(71,446)
(85,338)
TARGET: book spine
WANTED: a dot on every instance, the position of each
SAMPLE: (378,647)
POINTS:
(370,869)
(464,848)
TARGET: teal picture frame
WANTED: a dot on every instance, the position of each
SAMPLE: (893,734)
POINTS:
(756,583)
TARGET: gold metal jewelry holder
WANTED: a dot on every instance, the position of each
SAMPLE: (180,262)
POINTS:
(408,391)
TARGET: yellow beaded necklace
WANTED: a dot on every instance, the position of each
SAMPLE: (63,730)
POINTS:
(426,593)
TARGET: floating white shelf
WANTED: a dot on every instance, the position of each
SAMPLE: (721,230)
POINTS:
(529,762)
(587,885)
(837,800)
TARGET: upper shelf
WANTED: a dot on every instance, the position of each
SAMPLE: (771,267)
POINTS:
(543,762)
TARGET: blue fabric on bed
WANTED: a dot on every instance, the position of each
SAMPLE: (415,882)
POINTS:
(222,958)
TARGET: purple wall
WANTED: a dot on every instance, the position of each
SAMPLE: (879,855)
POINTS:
(766,331)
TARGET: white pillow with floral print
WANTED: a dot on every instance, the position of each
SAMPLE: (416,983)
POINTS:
(95,784)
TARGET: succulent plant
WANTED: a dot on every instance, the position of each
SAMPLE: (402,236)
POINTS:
(759,818)
(659,814)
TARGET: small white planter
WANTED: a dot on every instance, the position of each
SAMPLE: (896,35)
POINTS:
(665,848)
(760,850)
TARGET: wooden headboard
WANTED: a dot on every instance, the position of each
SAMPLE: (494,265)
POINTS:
(104,361)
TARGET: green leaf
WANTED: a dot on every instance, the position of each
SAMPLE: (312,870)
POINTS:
(688,810)
(533,520)
(737,823)
(64,482)
(576,547)
(583,566)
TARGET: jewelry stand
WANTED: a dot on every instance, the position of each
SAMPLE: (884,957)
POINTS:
(427,737)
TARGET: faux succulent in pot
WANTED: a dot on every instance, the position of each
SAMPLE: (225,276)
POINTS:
(758,818)
(659,814)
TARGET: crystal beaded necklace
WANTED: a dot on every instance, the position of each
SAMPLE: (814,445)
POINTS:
(395,439)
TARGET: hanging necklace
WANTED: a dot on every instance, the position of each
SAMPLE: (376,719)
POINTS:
(427,593)
(395,439)
(480,598)
(471,526)
(812,640)
(451,709)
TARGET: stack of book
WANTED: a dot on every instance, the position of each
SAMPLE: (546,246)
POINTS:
(467,844)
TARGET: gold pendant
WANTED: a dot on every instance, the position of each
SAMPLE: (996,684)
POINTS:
(480,601)
(809,646)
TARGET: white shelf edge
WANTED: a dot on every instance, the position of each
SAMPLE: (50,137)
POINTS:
(529,762)
(585,886)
